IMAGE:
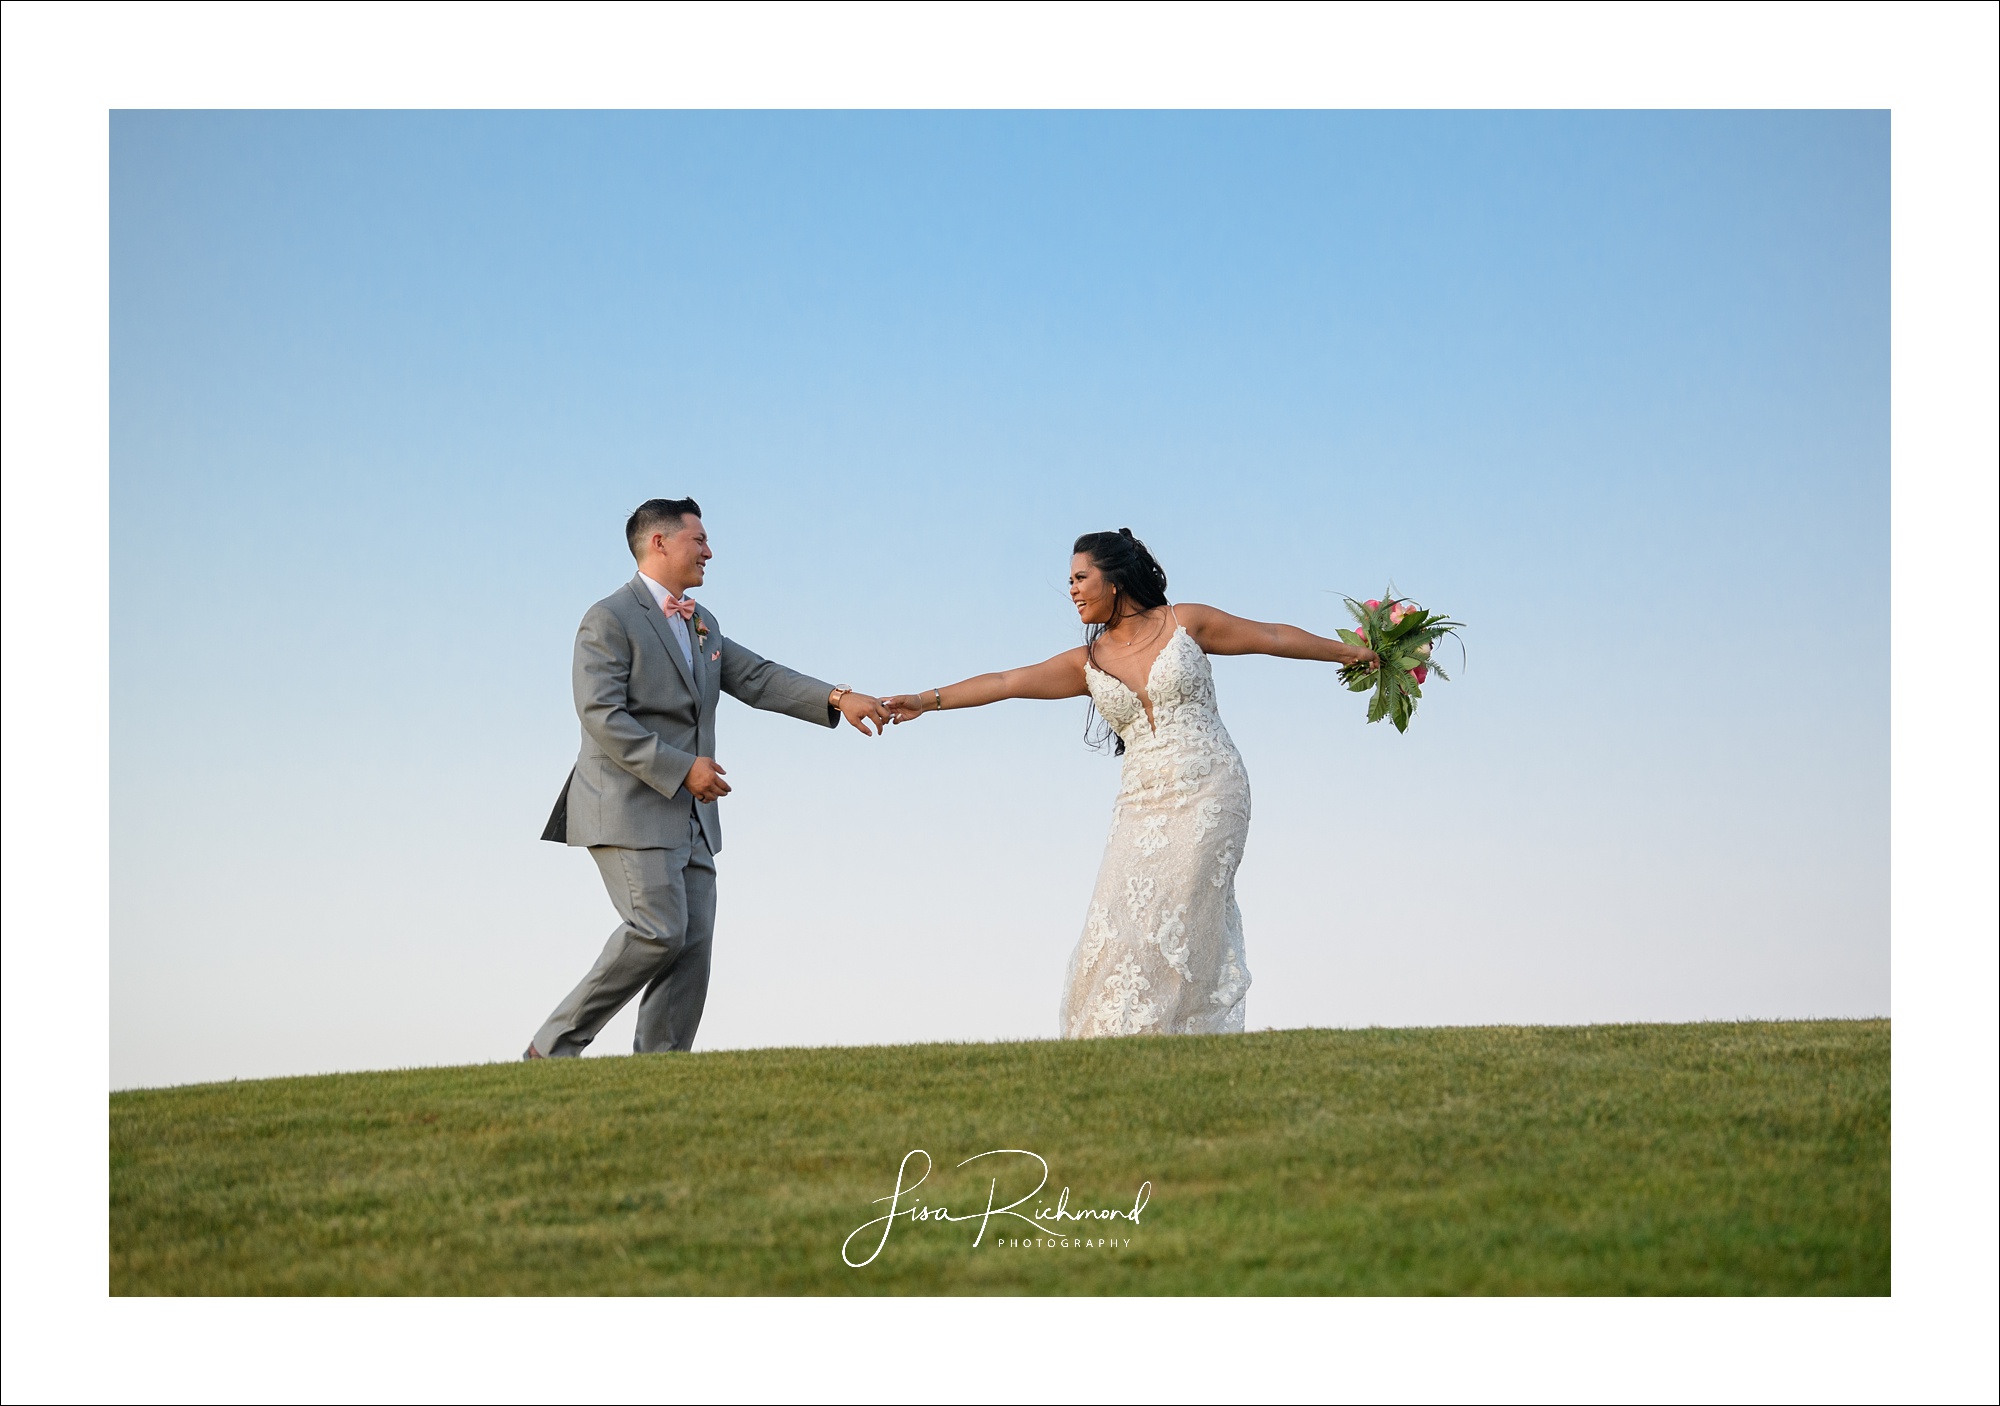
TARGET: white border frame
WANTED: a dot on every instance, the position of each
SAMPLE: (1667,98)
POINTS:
(66,66)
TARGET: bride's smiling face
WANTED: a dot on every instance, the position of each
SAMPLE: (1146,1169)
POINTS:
(1089,591)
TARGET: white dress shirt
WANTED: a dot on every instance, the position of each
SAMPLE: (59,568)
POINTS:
(674,622)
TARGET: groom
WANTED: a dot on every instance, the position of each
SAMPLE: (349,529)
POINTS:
(647,673)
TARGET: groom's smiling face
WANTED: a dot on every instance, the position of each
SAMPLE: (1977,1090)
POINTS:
(683,555)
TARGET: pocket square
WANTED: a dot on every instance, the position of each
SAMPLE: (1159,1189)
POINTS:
(715,656)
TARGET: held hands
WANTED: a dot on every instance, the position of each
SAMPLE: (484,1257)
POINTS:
(905,706)
(860,710)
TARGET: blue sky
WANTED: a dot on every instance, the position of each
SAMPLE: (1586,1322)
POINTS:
(1613,388)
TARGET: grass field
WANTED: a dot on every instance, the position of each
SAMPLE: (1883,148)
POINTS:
(1747,1158)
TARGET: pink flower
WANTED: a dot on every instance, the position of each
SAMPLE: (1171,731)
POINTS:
(1372,604)
(1420,673)
(1396,613)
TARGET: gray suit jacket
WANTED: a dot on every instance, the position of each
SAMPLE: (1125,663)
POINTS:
(646,717)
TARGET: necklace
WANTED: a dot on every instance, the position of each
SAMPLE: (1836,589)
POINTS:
(1135,646)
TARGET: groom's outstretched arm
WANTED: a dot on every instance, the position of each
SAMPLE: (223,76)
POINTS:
(601,675)
(753,679)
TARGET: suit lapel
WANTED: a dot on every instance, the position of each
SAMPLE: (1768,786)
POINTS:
(660,628)
(711,665)
(705,670)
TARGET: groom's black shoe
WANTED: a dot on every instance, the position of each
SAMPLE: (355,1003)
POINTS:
(534,1053)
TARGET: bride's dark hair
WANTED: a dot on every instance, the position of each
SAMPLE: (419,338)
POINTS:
(1138,584)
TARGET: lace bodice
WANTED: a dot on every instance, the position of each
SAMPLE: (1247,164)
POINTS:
(1162,950)
(1179,685)
(1185,741)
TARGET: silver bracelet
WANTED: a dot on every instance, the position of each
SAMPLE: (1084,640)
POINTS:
(938,694)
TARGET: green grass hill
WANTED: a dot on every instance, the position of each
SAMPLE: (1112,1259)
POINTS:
(1744,1158)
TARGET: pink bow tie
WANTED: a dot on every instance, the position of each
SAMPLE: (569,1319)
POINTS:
(682,607)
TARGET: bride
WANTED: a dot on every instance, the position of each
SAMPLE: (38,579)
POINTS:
(1162,948)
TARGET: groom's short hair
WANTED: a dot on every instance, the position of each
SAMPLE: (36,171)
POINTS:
(654,514)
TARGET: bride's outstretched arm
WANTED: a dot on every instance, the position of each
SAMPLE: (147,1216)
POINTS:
(1060,677)
(1219,632)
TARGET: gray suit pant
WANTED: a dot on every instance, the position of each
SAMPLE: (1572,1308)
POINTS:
(667,900)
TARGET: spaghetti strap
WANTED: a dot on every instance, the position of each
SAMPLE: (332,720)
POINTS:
(1175,613)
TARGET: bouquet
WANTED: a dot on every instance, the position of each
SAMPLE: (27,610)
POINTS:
(1401,633)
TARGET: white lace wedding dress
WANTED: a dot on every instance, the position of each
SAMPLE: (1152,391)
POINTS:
(1162,951)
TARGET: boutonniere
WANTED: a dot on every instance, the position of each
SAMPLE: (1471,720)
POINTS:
(700,628)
